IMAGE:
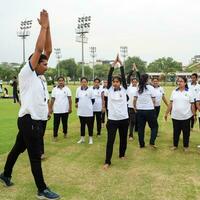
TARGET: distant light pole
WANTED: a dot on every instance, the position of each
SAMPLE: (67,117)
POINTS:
(81,30)
(58,56)
(124,53)
(93,55)
(23,33)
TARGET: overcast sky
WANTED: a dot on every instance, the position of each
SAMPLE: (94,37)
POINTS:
(150,28)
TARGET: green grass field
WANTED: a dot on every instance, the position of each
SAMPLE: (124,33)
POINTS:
(75,171)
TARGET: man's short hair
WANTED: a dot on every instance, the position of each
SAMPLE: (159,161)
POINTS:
(61,77)
(195,74)
(41,59)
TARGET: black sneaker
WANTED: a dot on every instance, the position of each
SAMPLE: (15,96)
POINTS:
(47,194)
(5,180)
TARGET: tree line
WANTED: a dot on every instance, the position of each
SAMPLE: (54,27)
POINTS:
(69,68)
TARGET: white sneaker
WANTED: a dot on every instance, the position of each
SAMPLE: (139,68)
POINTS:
(90,140)
(81,141)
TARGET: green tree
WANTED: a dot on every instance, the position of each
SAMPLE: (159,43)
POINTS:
(101,71)
(8,70)
(68,68)
(141,64)
(165,65)
(87,71)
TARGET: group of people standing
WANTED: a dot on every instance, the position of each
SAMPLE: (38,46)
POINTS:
(129,104)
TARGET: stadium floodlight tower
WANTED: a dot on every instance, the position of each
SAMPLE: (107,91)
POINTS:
(24,33)
(81,31)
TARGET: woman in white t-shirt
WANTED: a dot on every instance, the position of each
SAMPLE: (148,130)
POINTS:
(181,108)
(98,104)
(117,113)
(61,106)
(132,80)
(194,88)
(198,106)
(144,105)
(84,104)
(159,94)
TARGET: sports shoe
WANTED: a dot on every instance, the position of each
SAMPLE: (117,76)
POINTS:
(186,149)
(174,148)
(81,141)
(90,140)
(131,138)
(5,180)
(47,194)
(152,146)
(43,157)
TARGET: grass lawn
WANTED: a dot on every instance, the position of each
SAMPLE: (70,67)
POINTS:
(75,171)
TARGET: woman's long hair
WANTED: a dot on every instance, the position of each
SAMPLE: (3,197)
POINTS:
(143,83)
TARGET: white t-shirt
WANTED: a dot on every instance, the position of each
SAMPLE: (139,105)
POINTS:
(144,100)
(34,94)
(198,99)
(85,107)
(131,91)
(61,103)
(159,92)
(181,104)
(97,106)
(117,104)
(195,89)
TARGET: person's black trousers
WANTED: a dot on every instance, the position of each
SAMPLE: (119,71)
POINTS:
(192,121)
(15,96)
(44,125)
(178,126)
(86,121)
(28,137)
(157,110)
(192,118)
(98,116)
(56,123)
(112,127)
(149,116)
(132,121)
(199,122)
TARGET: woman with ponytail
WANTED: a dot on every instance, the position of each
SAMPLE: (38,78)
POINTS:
(144,105)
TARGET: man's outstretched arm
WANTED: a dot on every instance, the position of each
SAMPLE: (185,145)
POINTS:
(48,43)
(41,41)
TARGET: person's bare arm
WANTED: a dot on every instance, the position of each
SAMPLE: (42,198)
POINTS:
(103,102)
(51,105)
(198,105)
(40,44)
(194,111)
(134,103)
(169,109)
(48,43)
(70,104)
(154,101)
(165,100)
